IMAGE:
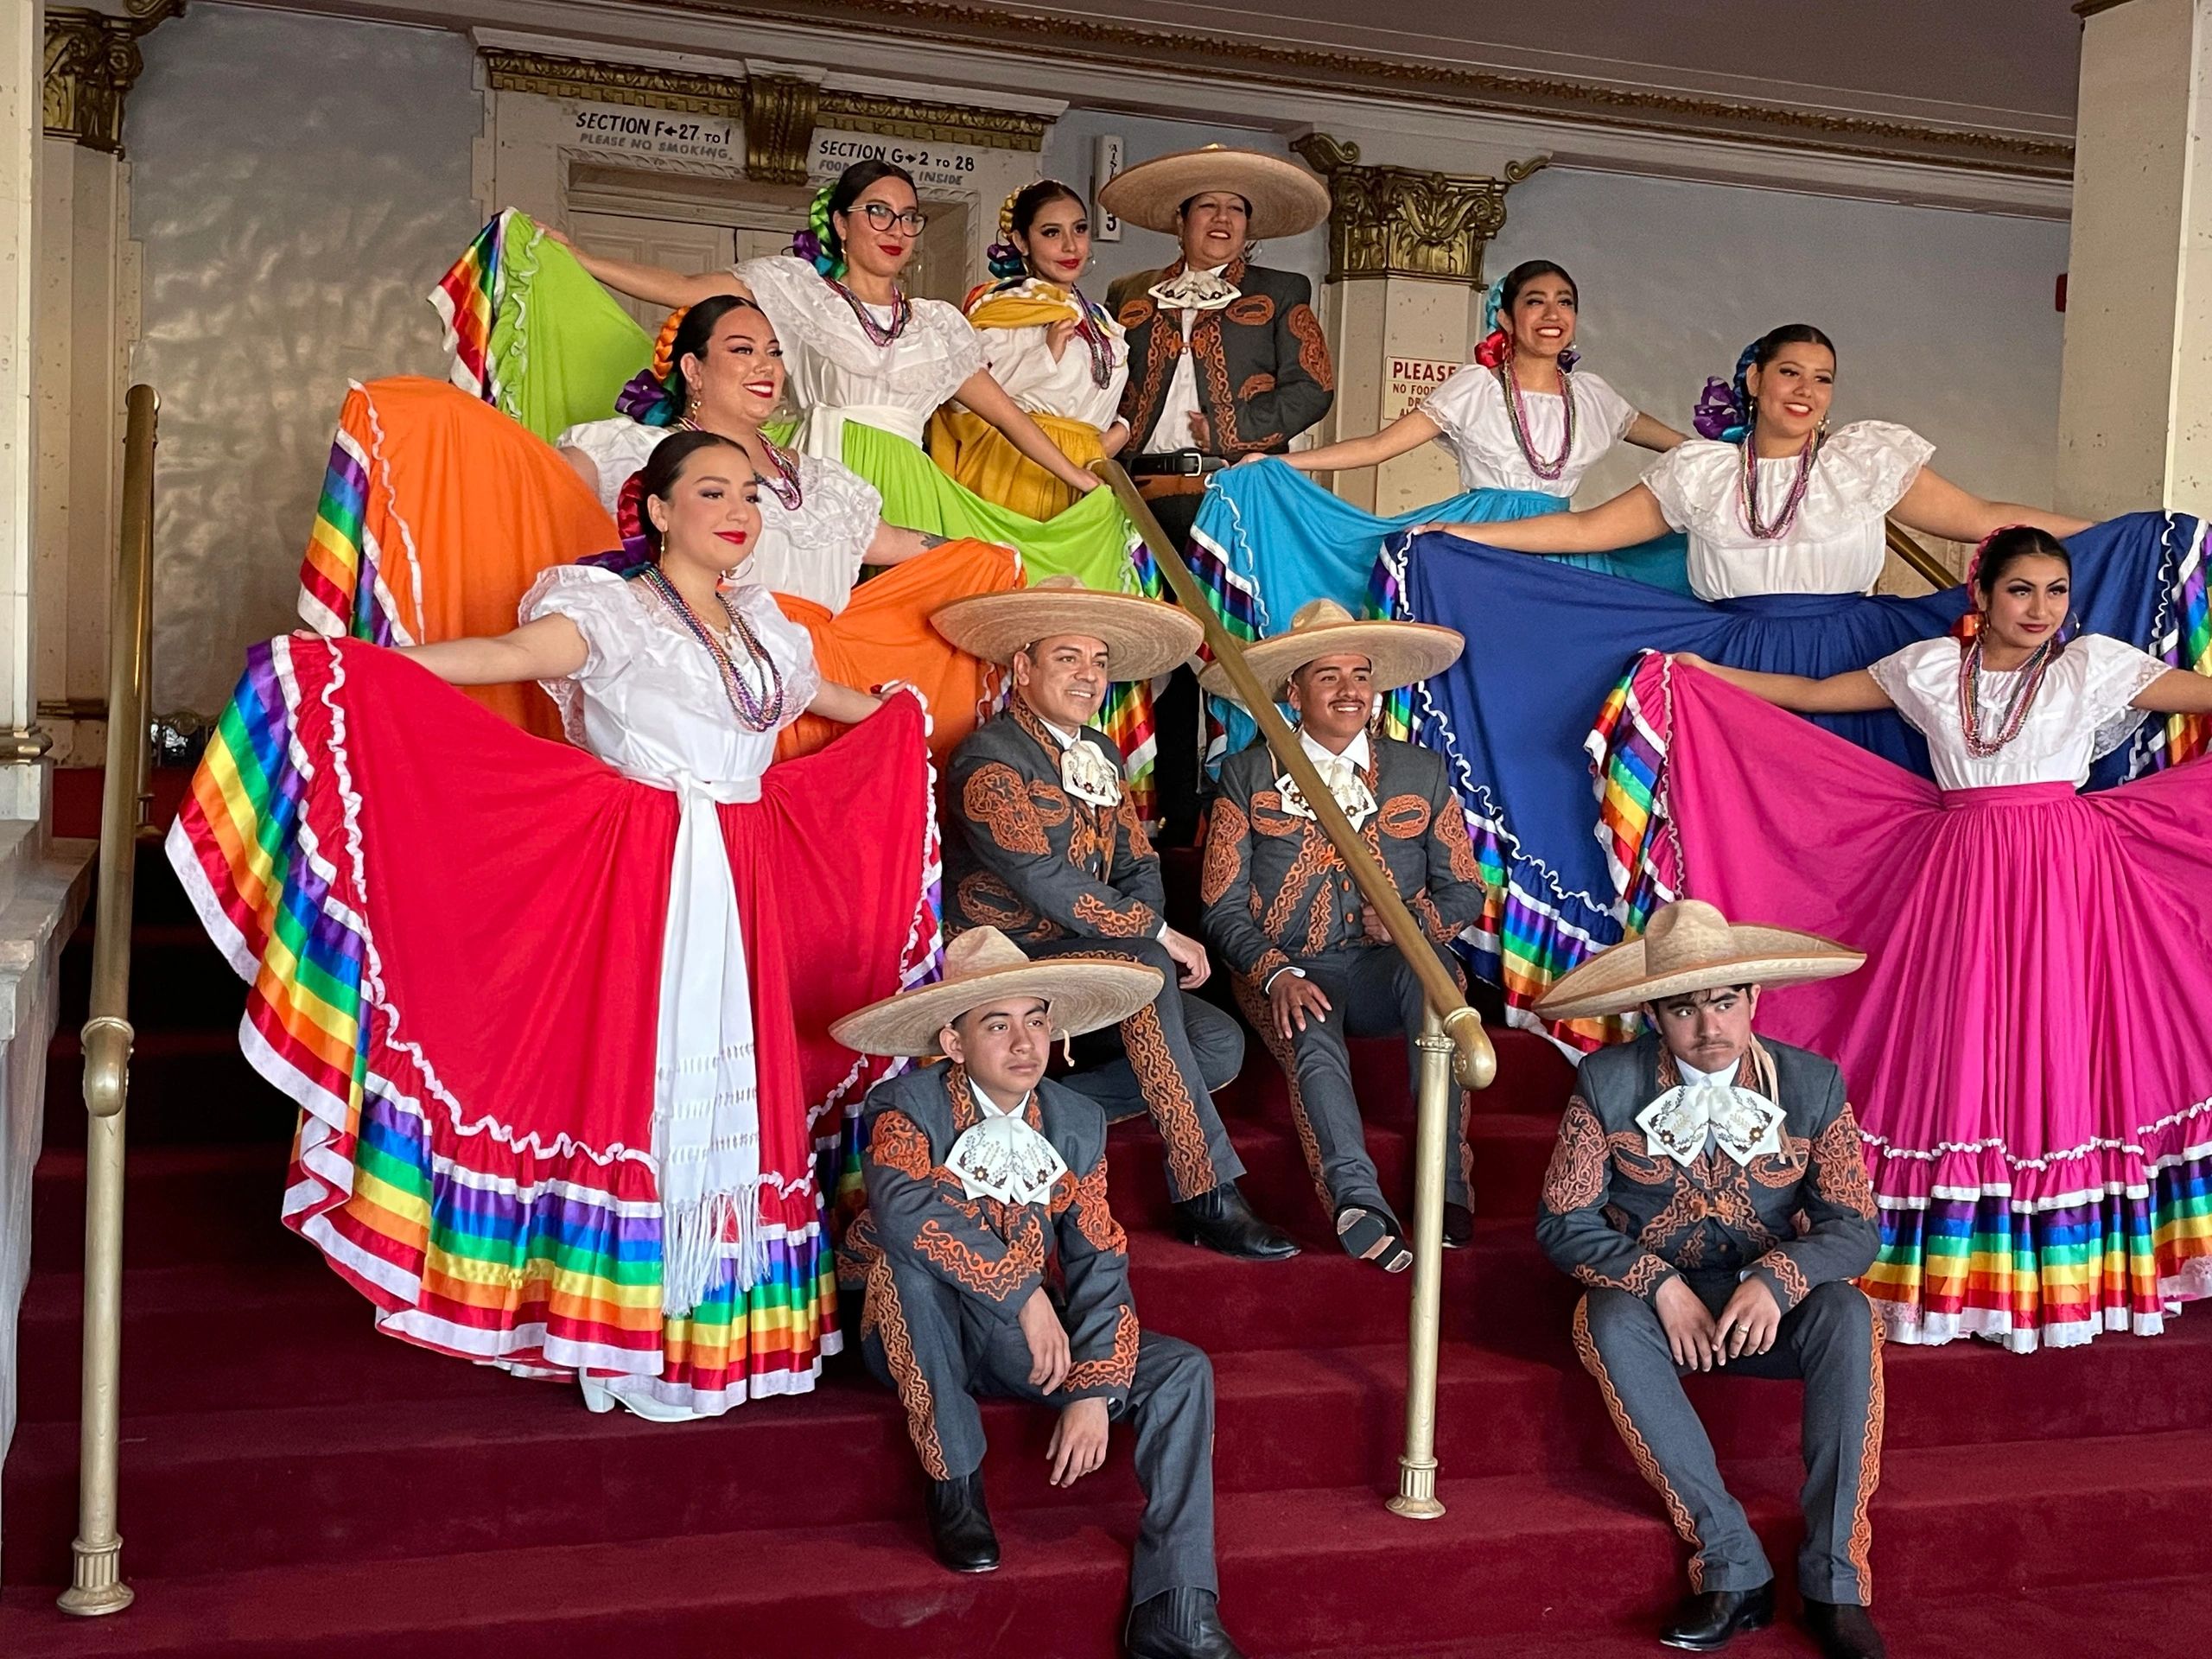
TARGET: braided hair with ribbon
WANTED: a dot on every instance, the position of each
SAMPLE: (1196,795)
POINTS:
(1993,555)
(660,394)
(1726,410)
(1016,215)
(1496,343)
(819,241)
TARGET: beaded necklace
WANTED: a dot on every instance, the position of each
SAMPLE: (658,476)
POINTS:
(2016,712)
(754,713)
(1090,329)
(1517,417)
(901,313)
(1747,489)
(786,484)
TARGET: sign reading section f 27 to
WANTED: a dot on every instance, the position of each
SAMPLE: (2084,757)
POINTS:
(655,134)
(1410,381)
(939,169)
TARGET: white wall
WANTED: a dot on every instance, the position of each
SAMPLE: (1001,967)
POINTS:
(1942,321)
(297,185)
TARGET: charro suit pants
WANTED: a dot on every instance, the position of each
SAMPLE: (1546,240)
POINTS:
(1833,1341)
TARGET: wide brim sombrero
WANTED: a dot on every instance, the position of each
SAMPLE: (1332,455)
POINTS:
(1403,653)
(1144,638)
(1283,197)
(983,966)
(1690,946)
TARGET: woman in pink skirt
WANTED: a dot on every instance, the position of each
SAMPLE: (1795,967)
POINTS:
(2026,1045)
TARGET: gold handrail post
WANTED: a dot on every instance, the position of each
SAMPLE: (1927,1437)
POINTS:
(95,1574)
(1925,565)
(1461,1050)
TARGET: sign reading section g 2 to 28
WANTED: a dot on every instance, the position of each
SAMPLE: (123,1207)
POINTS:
(657,134)
(938,169)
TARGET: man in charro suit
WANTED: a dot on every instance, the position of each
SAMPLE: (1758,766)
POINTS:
(1226,359)
(1710,1191)
(1043,844)
(1312,963)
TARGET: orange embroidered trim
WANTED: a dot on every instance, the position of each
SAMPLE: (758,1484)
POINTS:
(1870,1466)
(1320,921)
(1023,1260)
(1252,311)
(1312,348)
(1225,839)
(1049,802)
(1118,1369)
(1132,829)
(1269,819)
(1089,849)
(1173,1111)
(1787,1274)
(960,1100)
(1255,387)
(1221,406)
(1261,1017)
(984,900)
(1134,922)
(1431,919)
(1840,1166)
(995,798)
(1639,1280)
(1264,970)
(888,1319)
(1314,855)
(1459,851)
(1134,313)
(1576,1177)
(896,1141)
(1586,1348)
(1094,1219)
(1403,817)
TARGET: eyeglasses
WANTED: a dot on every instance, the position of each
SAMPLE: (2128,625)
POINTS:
(880,216)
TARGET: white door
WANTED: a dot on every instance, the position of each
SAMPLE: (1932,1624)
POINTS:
(677,244)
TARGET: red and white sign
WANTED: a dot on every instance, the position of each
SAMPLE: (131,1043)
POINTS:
(1409,382)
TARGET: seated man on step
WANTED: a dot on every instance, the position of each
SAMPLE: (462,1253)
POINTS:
(1310,962)
(990,1263)
(1042,843)
(1711,1191)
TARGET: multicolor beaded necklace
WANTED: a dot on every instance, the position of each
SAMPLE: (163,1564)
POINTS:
(754,713)
(2016,712)
(1517,415)
(902,313)
(1090,328)
(786,484)
(1747,489)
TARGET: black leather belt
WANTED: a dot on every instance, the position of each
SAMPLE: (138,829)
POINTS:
(1179,463)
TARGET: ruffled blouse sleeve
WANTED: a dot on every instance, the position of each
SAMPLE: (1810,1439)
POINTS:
(616,447)
(607,615)
(961,346)
(1691,479)
(1613,413)
(1452,407)
(1921,680)
(842,512)
(788,644)
(2117,673)
(1879,459)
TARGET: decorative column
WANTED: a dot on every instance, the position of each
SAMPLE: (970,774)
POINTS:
(1402,305)
(2135,401)
(85,315)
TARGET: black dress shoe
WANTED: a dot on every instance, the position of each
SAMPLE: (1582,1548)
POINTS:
(960,1527)
(1179,1624)
(1707,1621)
(1843,1631)
(1458,1226)
(1221,1220)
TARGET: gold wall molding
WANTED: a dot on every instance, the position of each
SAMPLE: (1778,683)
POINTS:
(91,61)
(1303,68)
(1401,221)
(780,112)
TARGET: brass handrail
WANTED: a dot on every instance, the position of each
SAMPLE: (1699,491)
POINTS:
(1924,564)
(96,1577)
(1452,1043)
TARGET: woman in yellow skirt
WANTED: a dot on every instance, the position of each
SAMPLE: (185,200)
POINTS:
(1058,354)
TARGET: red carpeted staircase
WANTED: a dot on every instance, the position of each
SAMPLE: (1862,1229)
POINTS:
(295,1484)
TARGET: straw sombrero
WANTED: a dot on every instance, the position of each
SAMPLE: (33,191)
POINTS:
(1283,197)
(1144,637)
(983,965)
(1690,946)
(1403,653)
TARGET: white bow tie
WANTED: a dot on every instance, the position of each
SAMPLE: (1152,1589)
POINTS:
(1195,290)
(1004,1157)
(1345,782)
(1087,774)
(1743,1122)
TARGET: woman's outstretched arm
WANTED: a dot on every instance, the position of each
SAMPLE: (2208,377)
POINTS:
(550,648)
(1857,692)
(1632,516)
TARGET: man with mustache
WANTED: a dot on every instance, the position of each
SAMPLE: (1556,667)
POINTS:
(1226,359)
(1312,962)
(1043,844)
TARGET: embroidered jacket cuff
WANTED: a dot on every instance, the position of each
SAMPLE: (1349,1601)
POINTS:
(1784,1278)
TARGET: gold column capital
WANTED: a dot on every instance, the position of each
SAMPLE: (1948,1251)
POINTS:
(1403,221)
(91,61)
(780,119)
